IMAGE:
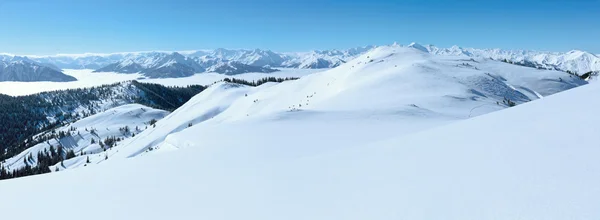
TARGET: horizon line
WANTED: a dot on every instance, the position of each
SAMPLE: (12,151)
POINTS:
(187,52)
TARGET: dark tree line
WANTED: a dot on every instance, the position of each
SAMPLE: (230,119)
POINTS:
(41,164)
(163,97)
(24,117)
(584,76)
(525,63)
(258,82)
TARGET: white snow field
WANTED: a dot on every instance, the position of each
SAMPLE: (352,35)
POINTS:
(87,78)
(257,160)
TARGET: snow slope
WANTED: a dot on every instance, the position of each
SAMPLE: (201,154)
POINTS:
(521,163)
(97,127)
(397,89)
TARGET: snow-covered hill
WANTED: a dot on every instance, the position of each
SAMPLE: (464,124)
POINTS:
(86,137)
(32,120)
(397,89)
(22,69)
(256,160)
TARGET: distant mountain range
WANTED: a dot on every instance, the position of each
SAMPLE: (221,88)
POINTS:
(23,69)
(575,61)
(225,61)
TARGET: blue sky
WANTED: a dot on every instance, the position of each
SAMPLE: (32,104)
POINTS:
(40,27)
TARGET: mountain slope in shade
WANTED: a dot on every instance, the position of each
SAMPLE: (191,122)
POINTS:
(24,70)
(523,162)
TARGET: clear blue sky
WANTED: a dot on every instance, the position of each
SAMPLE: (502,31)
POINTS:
(75,26)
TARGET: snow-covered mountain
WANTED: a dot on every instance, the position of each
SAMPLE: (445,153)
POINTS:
(127,62)
(169,64)
(156,65)
(576,61)
(354,142)
(81,61)
(255,57)
(15,68)
(234,68)
(396,89)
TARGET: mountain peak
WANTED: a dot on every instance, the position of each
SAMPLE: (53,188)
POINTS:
(418,47)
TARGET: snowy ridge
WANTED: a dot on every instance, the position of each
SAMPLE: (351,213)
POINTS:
(575,61)
(399,89)
(202,107)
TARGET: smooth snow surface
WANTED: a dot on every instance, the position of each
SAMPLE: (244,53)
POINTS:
(538,160)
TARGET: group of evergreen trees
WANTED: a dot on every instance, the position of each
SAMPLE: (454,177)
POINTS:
(584,76)
(258,82)
(163,97)
(26,123)
(40,164)
(24,117)
(525,63)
